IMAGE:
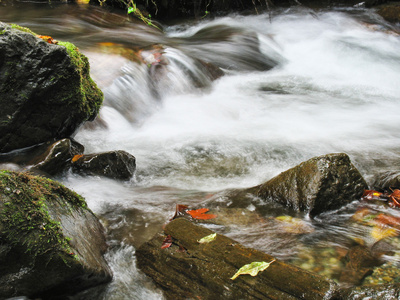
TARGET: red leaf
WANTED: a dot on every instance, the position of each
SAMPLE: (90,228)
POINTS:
(167,242)
(200,214)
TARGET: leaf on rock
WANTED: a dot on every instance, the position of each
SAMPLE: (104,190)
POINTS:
(201,214)
(372,195)
(207,239)
(252,269)
(48,39)
(179,210)
(167,242)
(76,157)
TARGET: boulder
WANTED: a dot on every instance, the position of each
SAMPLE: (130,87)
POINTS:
(318,185)
(390,12)
(315,186)
(114,164)
(188,269)
(50,242)
(46,92)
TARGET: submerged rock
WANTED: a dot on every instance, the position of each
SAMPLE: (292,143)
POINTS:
(46,92)
(114,164)
(189,270)
(50,242)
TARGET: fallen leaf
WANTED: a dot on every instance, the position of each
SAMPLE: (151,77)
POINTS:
(379,233)
(48,39)
(201,214)
(167,242)
(371,195)
(207,239)
(179,209)
(252,269)
(76,157)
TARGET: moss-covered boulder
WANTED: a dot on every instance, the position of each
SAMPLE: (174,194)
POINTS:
(45,89)
(50,242)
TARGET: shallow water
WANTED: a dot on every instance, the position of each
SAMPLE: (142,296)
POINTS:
(334,86)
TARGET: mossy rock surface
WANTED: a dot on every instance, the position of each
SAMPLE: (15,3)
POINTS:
(45,89)
(50,242)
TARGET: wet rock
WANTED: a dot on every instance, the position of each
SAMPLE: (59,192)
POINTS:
(50,242)
(386,181)
(46,92)
(360,263)
(390,12)
(190,270)
(57,157)
(315,186)
(114,164)
(50,159)
(387,291)
(320,184)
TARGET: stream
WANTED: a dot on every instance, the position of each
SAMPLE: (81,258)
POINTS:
(298,83)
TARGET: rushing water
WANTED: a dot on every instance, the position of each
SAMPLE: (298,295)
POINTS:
(334,87)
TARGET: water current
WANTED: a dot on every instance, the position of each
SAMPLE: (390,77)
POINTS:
(299,84)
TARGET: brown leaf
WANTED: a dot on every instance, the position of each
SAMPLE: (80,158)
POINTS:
(179,210)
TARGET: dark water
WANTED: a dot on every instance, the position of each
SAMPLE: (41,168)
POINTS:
(334,87)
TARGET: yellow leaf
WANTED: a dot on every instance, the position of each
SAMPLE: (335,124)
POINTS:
(379,233)
(207,239)
(252,269)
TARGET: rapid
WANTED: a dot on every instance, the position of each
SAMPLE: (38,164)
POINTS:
(298,83)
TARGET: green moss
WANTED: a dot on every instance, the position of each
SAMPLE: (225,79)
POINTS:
(88,88)
(21,28)
(24,218)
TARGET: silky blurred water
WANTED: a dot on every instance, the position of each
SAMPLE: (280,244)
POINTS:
(333,86)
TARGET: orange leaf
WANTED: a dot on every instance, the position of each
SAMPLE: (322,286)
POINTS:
(200,214)
(76,157)
(48,39)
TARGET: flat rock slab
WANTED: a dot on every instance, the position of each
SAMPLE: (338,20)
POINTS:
(190,270)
